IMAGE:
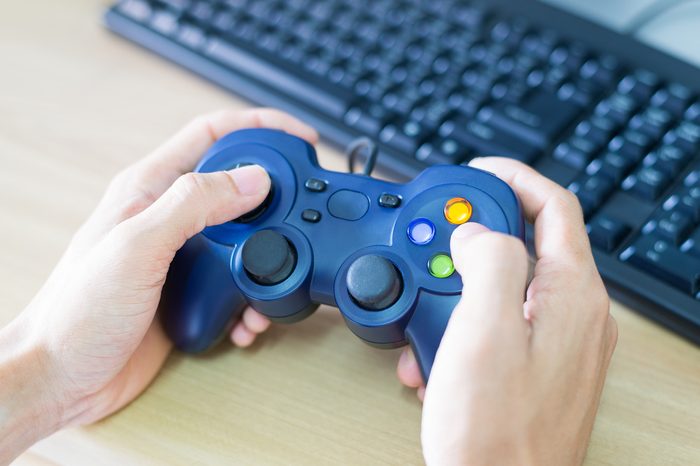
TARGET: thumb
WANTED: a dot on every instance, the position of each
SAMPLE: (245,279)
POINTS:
(195,201)
(493,267)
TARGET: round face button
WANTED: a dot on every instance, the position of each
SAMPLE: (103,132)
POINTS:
(441,266)
(421,231)
(458,210)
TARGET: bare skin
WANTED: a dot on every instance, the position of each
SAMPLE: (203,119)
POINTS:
(88,343)
(516,380)
(519,373)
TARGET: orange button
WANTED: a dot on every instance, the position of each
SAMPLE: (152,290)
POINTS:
(458,210)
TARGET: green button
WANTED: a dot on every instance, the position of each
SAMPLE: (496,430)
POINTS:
(441,266)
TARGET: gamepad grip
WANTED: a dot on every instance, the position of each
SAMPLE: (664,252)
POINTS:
(378,251)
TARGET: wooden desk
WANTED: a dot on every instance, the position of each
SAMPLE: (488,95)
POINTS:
(76,105)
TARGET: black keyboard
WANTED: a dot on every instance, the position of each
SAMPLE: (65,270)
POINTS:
(440,81)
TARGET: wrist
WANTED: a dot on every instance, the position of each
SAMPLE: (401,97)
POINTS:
(29,406)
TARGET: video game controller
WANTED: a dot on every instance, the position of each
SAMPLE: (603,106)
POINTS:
(376,250)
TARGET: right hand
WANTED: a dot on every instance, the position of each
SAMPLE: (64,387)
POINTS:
(520,369)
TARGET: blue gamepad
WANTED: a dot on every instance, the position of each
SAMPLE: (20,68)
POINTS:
(378,251)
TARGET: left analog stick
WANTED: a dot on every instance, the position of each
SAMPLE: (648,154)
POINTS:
(259,210)
(268,257)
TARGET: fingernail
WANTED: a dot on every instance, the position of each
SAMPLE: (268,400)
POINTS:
(251,180)
(468,229)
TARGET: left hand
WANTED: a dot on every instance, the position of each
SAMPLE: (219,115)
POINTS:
(91,328)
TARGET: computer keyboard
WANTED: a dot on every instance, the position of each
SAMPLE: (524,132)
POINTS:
(441,81)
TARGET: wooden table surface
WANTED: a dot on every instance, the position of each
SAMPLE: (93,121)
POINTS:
(76,105)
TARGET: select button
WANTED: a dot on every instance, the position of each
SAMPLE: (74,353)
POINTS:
(348,205)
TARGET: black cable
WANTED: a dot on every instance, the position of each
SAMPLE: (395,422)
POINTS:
(652,12)
(366,148)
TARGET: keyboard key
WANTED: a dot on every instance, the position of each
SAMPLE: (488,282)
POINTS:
(368,120)
(138,10)
(669,159)
(484,139)
(597,128)
(446,151)
(654,121)
(686,136)
(591,191)
(632,144)
(165,22)
(309,90)
(607,233)
(618,107)
(612,165)
(404,137)
(674,98)
(640,85)
(689,202)
(693,113)
(674,226)
(576,152)
(192,36)
(692,244)
(647,183)
(660,258)
(602,71)
(531,120)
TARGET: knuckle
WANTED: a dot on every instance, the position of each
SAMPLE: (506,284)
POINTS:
(128,193)
(133,206)
(191,186)
(124,235)
(568,202)
(122,180)
(203,118)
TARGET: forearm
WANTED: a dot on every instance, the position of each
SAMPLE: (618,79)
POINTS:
(28,411)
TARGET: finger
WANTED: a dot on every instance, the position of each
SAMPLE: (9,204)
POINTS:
(408,370)
(254,321)
(560,232)
(193,202)
(487,326)
(493,268)
(420,393)
(181,152)
(241,336)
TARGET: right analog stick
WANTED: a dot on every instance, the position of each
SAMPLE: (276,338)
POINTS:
(374,282)
(268,257)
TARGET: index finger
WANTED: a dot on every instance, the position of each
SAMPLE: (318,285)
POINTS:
(560,232)
(181,152)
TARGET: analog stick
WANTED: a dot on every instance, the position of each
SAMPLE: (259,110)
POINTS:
(259,210)
(373,282)
(268,257)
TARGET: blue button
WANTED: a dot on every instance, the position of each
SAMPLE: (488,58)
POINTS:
(421,231)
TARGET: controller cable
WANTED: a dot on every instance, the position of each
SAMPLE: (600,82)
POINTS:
(367,149)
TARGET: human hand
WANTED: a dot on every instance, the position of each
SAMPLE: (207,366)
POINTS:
(90,332)
(520,369)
